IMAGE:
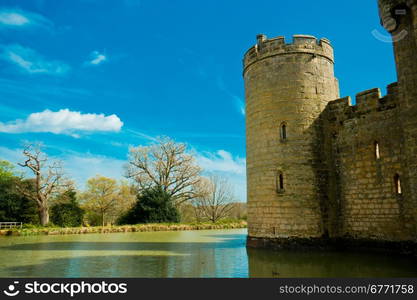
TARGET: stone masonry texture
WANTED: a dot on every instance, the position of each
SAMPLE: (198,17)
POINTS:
(319,167)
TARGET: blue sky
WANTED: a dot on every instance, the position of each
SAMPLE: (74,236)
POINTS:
(123,72)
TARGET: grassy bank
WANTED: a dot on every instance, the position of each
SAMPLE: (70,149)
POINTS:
(122,228)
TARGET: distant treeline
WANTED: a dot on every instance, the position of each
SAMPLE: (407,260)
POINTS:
(163,184)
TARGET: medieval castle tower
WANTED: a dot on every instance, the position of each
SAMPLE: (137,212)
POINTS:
(319,167)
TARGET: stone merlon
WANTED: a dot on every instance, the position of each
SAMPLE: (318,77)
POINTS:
(305,44)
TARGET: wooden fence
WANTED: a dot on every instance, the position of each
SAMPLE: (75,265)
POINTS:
(10,225)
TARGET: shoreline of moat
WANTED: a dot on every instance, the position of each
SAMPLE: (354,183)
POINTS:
(151,227)
(346,243)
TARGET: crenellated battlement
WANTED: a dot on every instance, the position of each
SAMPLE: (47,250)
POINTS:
(367,101)
(301,44)
(339,105)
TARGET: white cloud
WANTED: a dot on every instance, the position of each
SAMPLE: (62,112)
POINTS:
(227,166)
(222,161)
(63,121)
(239,103)
(29,61)
(13,19)
(12,155)
(97,58)
(141,135)
(81,167)
(16,18)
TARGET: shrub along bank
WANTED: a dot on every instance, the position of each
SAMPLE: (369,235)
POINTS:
(123,228)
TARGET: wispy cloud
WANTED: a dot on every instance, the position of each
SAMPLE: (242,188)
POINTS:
(48,94)
(82,166)
(18,19)
(218,161)
(96,58)
(18,92)
(63,121)
(240,105)
(29,61)
(238,102)
(226,165)
(78,166)
(221,161)
(10,18)
(142,135)
(12,155)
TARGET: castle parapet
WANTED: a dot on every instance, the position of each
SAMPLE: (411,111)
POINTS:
(340,105)
(366,102)
(390,100)
(277,46)
(392,88)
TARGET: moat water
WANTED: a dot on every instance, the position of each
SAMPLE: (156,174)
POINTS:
(208,253)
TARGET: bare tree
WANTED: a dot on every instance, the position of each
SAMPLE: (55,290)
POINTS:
(215,199)
(49,179)
(164,164)
(239,211)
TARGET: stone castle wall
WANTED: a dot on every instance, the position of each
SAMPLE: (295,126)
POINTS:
(404,31)
(342,170)
(287,85)
(365,155)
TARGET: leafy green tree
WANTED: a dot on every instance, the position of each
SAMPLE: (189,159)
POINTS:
(66,212)
(105,200)
(153,205)
(6,170)
(14,206)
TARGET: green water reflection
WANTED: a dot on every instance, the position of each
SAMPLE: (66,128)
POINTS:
(211,253)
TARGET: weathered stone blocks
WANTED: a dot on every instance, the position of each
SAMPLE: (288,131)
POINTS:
(319,167)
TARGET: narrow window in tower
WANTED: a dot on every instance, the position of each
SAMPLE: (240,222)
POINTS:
(397,183)
(280,182)
(283,131)
(377,154)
